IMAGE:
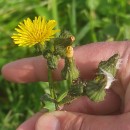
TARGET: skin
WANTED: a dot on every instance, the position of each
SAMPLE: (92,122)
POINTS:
(82,114)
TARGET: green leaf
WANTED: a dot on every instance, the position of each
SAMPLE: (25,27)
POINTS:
(48,102)
(62,96)
(47,98)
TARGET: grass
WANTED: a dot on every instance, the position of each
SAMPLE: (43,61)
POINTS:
(88,20)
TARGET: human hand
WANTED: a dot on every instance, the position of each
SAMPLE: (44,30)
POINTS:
(82,114)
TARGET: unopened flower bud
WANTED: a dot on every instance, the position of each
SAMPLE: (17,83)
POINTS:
(107,70)
(69,51)
(72,38)
(70,70)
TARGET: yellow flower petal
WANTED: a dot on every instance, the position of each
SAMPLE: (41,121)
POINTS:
(31,32)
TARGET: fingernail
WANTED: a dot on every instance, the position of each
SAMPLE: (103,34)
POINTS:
(48,122)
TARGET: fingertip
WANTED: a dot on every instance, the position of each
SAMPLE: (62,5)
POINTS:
(29,70)
(16,72)
(5,71)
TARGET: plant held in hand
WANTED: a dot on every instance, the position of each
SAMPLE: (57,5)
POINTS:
(40,33)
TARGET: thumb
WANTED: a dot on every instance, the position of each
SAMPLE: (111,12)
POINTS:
(63,120)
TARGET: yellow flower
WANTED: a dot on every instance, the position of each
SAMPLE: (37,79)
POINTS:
(31,32)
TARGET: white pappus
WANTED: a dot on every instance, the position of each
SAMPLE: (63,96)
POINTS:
(109,76)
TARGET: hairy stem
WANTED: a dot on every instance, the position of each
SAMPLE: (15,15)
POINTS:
(51,87)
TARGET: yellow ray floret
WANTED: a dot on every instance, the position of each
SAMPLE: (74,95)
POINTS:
(31,32)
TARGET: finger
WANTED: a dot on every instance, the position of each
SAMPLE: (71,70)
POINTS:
(77,121)
(26,70)
(110,105)
(30,123)
(87,58)
(29,70)
(127,100)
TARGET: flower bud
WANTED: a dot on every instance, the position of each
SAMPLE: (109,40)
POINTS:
(107,70)
(94,89)
(52,61)
(69,51)
(70,71)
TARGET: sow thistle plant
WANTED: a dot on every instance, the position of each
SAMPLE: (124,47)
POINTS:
(41,34)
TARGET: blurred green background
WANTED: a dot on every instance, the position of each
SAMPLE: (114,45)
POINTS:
(88,20)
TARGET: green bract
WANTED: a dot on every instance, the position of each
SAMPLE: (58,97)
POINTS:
(70,70)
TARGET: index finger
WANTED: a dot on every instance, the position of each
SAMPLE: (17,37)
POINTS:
(87,58)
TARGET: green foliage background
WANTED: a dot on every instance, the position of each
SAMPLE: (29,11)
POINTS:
(88,20)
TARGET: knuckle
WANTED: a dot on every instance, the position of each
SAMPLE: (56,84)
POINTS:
(75,123)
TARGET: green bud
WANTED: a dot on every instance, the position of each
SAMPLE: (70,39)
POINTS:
(111,65)
(49,53)
(60,50)
(65,34)
(65,39)
(94,89)
(52,61)
(70,71)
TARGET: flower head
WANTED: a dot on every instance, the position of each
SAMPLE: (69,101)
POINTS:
(31,32)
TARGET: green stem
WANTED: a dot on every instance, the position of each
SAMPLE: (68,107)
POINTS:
(51,87)
(69,82)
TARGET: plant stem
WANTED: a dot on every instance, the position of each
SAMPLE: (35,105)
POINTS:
(69,82)
(51,87)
